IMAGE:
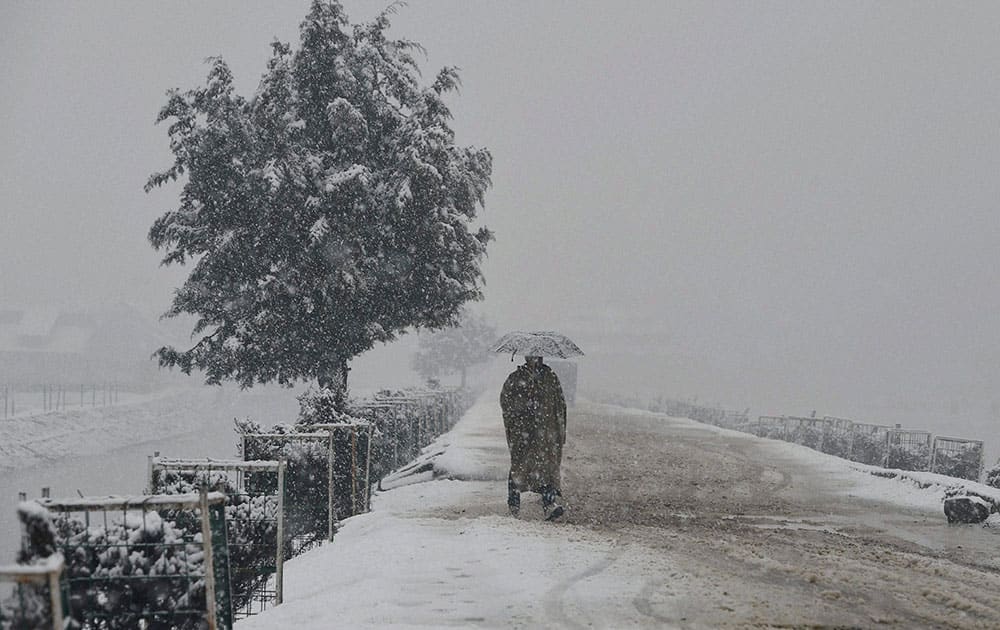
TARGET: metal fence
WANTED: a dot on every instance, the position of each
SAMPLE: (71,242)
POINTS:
(774,427)
(357,437)
(309,500)
(958,457)
(806,431)
(868,443)
(838,436)
(36,601)
(734,417)
(254,520)
(326,469)
(151,561)
(398,442)
(908,449)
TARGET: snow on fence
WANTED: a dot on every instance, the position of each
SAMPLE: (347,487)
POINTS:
(150,561)
(36,600)
(254,520)
(908,449)
(957,457)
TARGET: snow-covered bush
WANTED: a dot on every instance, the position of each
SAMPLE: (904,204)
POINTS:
(992,475)
(252,530)
(808,435)
(908,457)
(29,606)
(142,570)
(837,443)
(868,448)
(306,498)
(963,463)
(320,405)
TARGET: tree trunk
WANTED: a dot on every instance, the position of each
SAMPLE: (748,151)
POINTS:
(333,376)
(463,377)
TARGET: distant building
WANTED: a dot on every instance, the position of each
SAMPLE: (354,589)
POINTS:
(51,346)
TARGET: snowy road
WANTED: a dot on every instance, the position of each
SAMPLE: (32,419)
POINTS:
(672,524)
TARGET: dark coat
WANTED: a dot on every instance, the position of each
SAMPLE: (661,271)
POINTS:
(534,417)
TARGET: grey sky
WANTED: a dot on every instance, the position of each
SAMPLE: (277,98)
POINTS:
(802,193)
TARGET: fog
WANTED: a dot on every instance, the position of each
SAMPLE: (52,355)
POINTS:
(784,206)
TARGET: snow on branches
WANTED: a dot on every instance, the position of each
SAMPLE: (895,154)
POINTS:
(329,211)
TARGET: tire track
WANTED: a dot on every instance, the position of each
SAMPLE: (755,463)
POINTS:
(555,608)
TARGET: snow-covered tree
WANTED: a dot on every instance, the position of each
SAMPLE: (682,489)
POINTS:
(329,211)
(454,349)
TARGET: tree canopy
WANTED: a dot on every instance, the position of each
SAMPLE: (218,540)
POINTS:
(455,349)
(329,211)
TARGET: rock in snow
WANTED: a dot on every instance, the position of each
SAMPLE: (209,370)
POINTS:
(966,509)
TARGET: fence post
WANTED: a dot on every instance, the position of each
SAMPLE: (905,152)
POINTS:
(55,598)
(368,470)
(280,559)
(149,474)
(395,438)
(329,488)
(354,470)
(206,538)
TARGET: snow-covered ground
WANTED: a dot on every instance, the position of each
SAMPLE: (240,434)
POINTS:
(28,440)
(439,549)
(445,552)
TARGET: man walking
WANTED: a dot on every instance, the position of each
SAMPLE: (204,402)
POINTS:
(534,417)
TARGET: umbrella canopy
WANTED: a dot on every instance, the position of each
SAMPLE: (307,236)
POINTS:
(538,344)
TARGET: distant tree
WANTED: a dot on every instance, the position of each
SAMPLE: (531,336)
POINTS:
(454,349)
(330,211)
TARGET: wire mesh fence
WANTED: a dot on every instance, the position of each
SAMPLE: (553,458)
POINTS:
(153,561)
(774,427)
(958,457)
(356,440)
(908,449)
(178,559)
(407,421)
(806,431)
(35,600)
(254,520)
(310,495)
(734,417)
(397,443)
(838,436)
(869,443)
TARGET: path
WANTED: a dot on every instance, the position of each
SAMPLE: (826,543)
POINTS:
(672,524)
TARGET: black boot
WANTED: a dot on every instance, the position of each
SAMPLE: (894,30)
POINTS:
(513,497)
(550,504)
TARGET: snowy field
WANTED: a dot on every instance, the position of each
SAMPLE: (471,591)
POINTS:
(440,550)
